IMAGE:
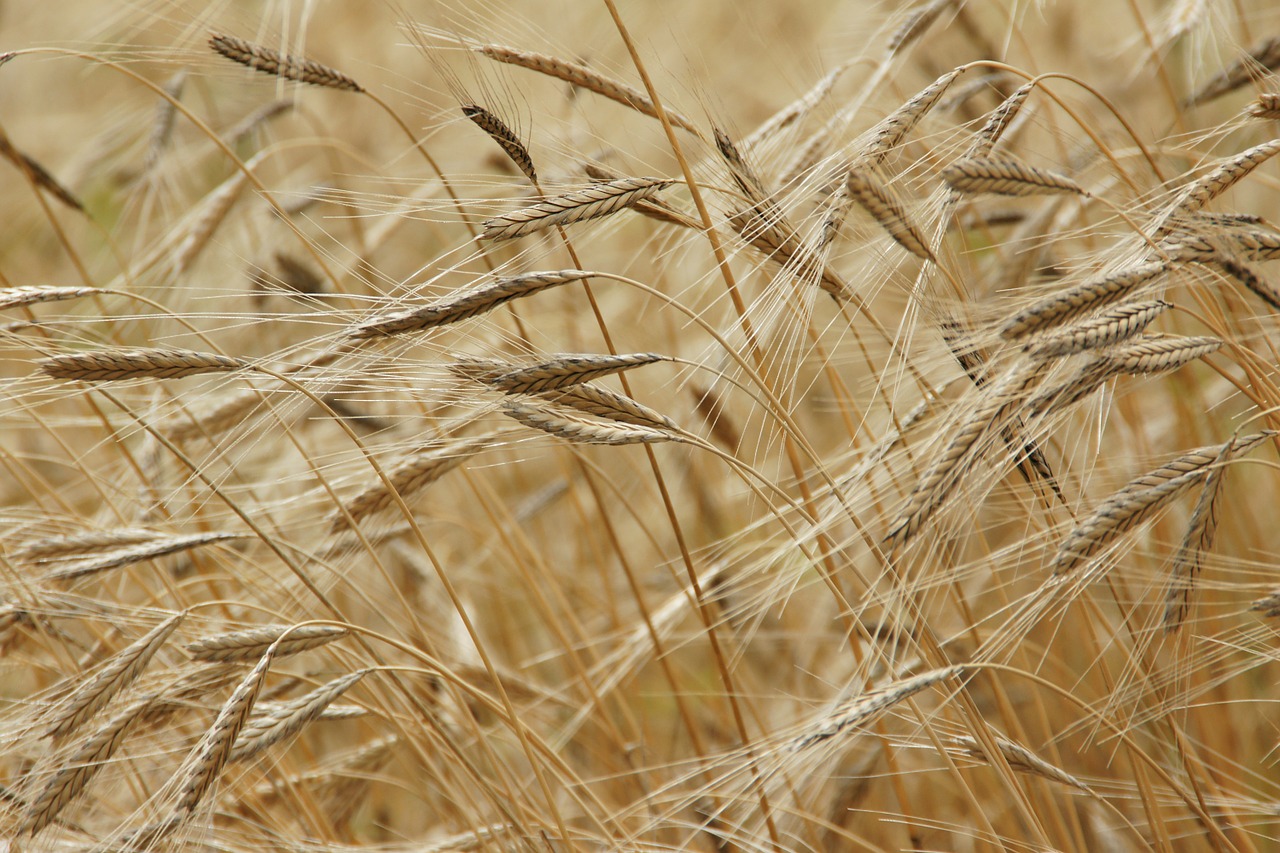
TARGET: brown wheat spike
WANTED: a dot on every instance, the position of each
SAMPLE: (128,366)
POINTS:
(1249,278)
(37,174)
(506,138)
(743,175)
(916,23)
(1259,59)
(856,711)
(1024,760)
(878,200)
(211,754)
(136,554)
(1226,175)
(1268,605)
(296,275)
(93,694)
(998,122)
(578,206)
(1104,329)
(893,128)
(1161,353)
(14,297)
(266,730)
(251,122)
(462,306)
(1005,176)
(162,128)
(1266,107)
(775,240)
(478,369)
(1141,498)
(710,408)
(249,644)
(79,544)
(273,62)
(569,370)
(601,402)
(568,424)
(653,208)
(1080,299)
(78,767)
(1254,244)
(409,477)
(584,78)
(1196,542)
(112,365)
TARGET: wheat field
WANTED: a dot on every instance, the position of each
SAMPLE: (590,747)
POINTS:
(639,426)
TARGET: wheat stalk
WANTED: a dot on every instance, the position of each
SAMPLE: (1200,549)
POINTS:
(578,206)
(1024,760)
(273,62)
(915,24)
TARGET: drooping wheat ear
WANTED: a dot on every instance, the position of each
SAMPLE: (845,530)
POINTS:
(93,694)
(797,109)
(569,370)
(1266,107)
(262,732)
(1023,760)
(506,138)
(1251,244)
(477,369)
(763,229)
(274,62)
(162,127)
(236,646)
(1080,299)
(215,208)
(998,122)
(1141,498)
(80,764)
(13,297)
(969,439)
(1213,184)
(467,304)
(742,173)
(1250,278)
(1268,605)
(38,174)
(1196,542)
(589,203)
(211,754)
(1005,176)
(918,20)
(1259,59)
(237,132)
(111,365)
(854,712)
(1105,329)
(407,478)
(136,554)
(653,208)
(885,208)
(609,405)
(584,78)
(893,128)
(79,544)
(568,424)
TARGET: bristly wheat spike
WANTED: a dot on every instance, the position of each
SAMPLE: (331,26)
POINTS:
(879,201)
(1005,176)
(568,424)
(112,365)
(253,642)
(743,175)
(1221,179)
(1022,759)
(273,62)
(578,206)
(1259,59)
(1080,299)
(610,405)
(1268,605)
(409,477)
(916,23)
(998,122)
(128,556)
(567,370)
(1250,278)
(506,138)
(38,174)
(14,297)
(862,708)
(1267,106)
(262,732)
(1105,329)
(893,128)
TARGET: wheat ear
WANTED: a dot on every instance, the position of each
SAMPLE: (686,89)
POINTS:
(885,208)
(136,554)
(1223,177)
(506,138)
(273,62)
(568,424)
(15,297)
(38,174)
(1262,57)
(862,708)
(565,370)
(406,479)
(1006,176)
(1267,106)
(1080,299)
(1105,329)
(112,365)
(893,128)
(578,206)
(249,644)
(262,732)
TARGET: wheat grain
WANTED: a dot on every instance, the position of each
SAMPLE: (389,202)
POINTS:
(1213,184)
(998,122)
(1022,759)
(254,120)
(578,206)
(1249,278)
(273,62)
(610,405)
(770,236)
(1005,176)
(1196,541)
(15,297)
(162,126)
(1268,605)
(251,643)
(1161,353)
(1267,106)
(742,173)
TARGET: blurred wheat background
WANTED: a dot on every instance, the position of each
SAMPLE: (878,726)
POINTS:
(640,426)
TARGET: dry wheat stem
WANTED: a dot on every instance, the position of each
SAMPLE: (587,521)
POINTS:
(585,78)
(893,128)
(1105,329)
(273,62)
(565,370)
(250,644)
(409,477)
(93,694)
(1259,59)
(854,712)
(1142,497)
(879,201)
(144,551)
(112,365)
(1080,299)
(568,424)
(263,731)
(1005,176)
(506,138)
(578,206)
(462,306)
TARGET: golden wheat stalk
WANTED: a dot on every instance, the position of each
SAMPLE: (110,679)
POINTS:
(113,365)
(1006,176)
(465,305)
(1023,760)
(584,78)
(274,62)
(251,643)
(578,206)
